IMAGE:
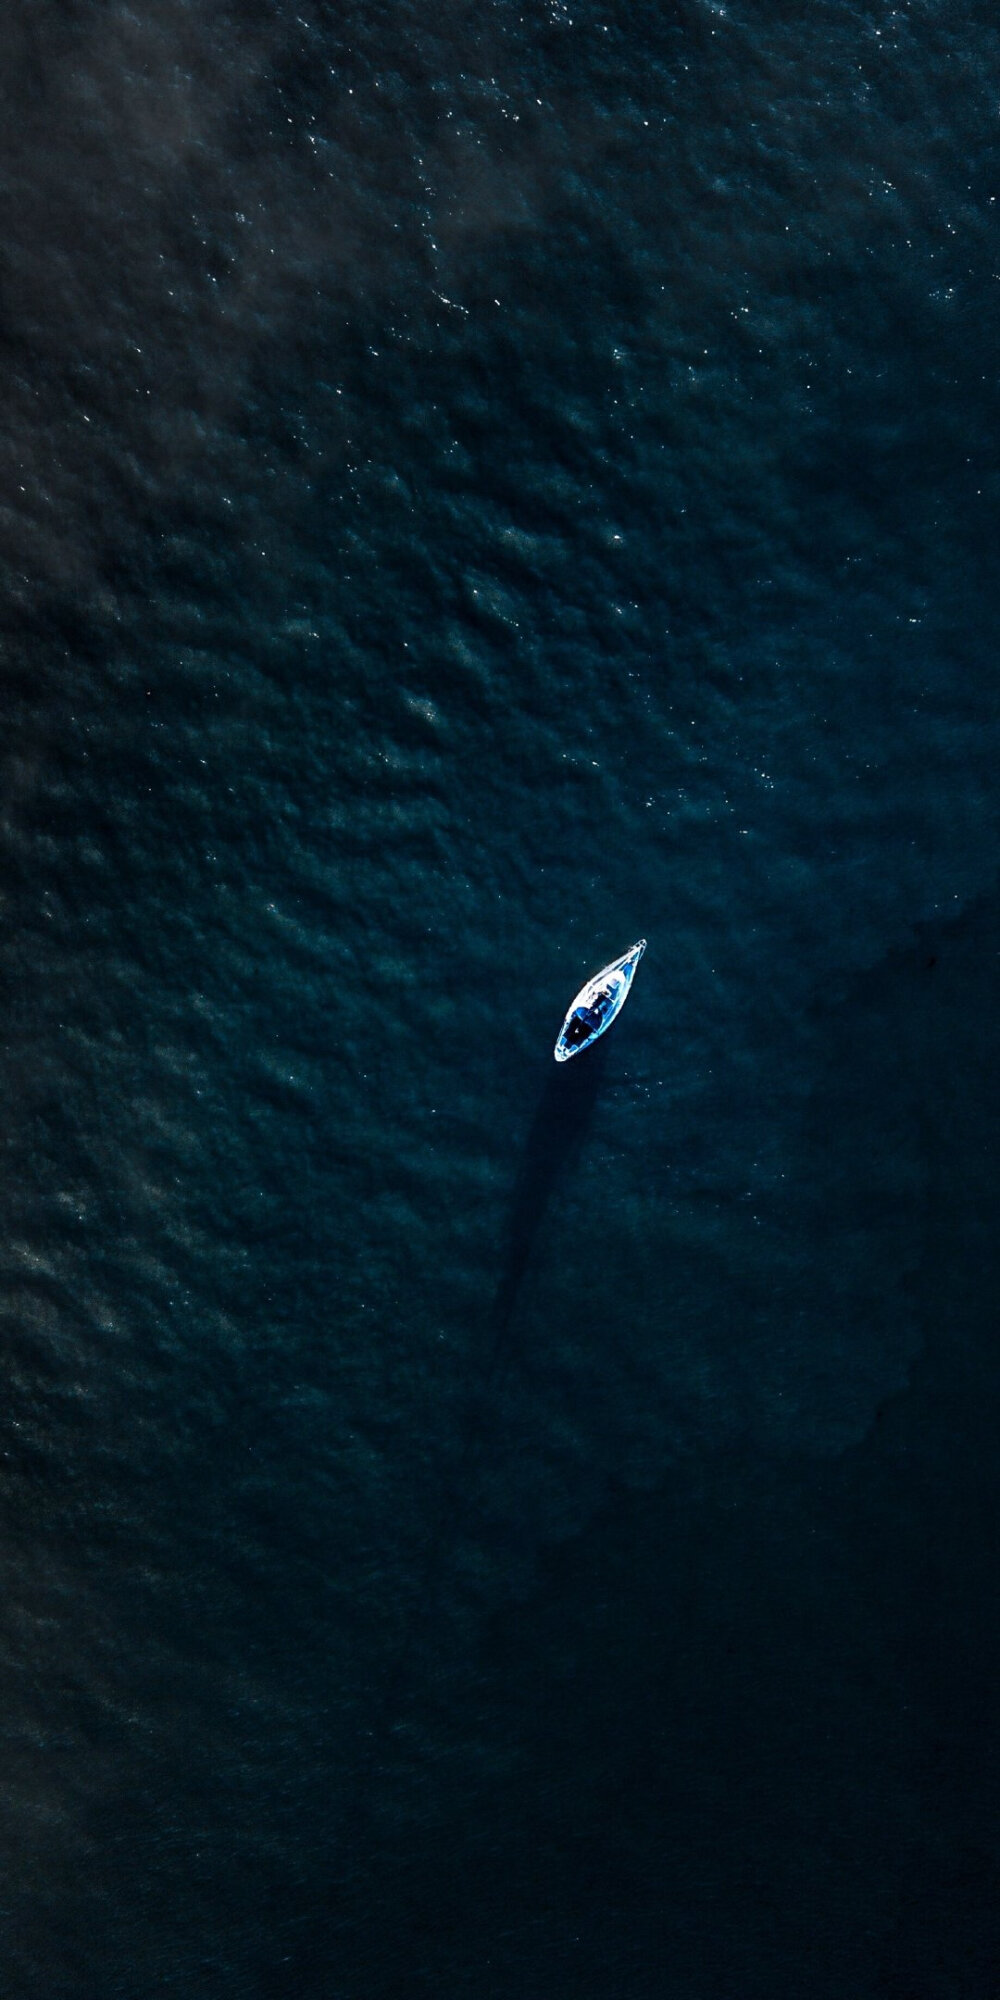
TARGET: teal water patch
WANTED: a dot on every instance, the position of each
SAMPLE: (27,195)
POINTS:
(482,490)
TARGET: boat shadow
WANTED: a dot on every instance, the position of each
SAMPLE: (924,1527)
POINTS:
(553,1143)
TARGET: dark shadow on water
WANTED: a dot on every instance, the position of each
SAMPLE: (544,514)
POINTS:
(554,1141)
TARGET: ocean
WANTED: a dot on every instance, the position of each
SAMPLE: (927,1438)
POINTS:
(482,486)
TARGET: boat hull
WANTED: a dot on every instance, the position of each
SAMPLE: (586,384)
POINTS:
(598,1004)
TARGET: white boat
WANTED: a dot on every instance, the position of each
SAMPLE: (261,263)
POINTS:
(597,1004)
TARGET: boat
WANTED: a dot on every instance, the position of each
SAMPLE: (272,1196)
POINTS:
(598,1004)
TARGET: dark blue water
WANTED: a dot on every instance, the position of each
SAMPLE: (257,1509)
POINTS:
(481,486)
